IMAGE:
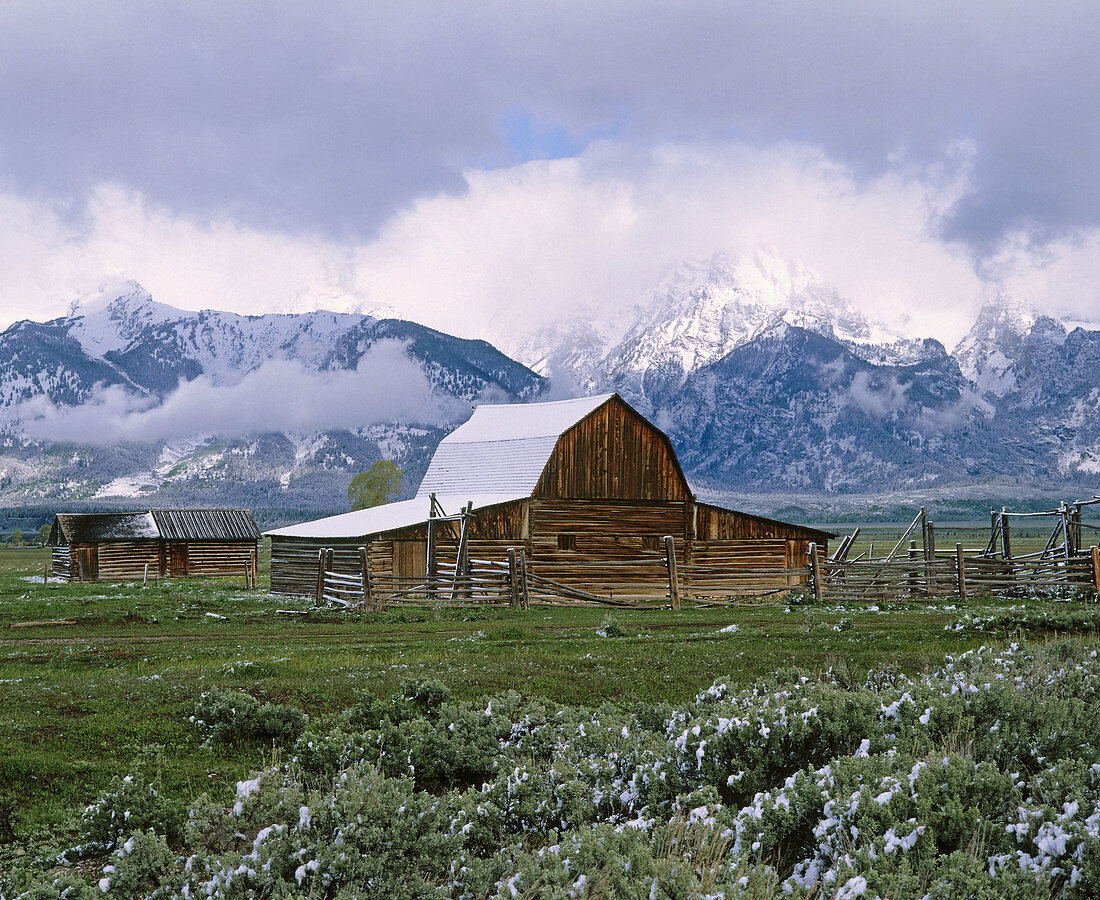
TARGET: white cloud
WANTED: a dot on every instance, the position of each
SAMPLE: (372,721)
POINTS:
(528,245)
(279,396)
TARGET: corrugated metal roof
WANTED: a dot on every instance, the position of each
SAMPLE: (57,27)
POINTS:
(206,524)
(92,528)
(376,519)
(165,524)
(503,447)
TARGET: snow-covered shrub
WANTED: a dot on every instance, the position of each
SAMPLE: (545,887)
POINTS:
(134,803)
(227,716)
(979,779)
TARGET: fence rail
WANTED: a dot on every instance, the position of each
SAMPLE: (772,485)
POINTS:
(941,574)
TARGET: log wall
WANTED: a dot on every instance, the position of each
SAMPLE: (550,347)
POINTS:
(213,558)
(610,546)
(713,523)
(126,560)
(64,563)
(600,546)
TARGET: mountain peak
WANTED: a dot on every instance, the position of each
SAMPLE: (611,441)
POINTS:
(109,318)
(107,294)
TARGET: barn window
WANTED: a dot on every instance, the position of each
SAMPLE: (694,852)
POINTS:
(567,542)
(651,542)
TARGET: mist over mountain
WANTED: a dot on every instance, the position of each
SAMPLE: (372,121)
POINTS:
(763,376)
(126,397)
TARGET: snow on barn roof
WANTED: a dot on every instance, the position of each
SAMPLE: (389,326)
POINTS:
(387,517)
(503,447)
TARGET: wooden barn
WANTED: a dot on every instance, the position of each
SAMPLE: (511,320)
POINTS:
(587,488)
(173,543)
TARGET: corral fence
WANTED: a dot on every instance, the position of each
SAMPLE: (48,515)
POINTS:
(511,582)
(926,571)
(919,571)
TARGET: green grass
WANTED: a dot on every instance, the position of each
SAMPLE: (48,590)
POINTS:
(82,701)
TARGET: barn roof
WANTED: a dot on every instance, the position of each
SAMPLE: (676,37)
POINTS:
(387,517)
(206,524)
(503,448)
(92,528)
(156,524)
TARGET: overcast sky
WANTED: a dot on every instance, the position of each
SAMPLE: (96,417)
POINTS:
(472,164)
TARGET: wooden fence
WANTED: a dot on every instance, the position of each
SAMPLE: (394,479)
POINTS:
(730,574)
(929,572)
(512,582)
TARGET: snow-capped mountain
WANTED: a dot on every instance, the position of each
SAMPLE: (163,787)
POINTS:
(700,312)
(124,337)
(120,356)
(763,376)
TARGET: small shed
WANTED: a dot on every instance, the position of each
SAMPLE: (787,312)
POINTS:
(174,543)
(587,488)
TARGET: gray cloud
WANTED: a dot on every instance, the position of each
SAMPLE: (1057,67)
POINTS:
(279,396)
(330,117)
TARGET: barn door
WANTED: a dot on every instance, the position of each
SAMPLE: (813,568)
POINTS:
(410,559)
(87,561)
(177,560)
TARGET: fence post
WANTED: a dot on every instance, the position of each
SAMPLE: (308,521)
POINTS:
(368,598)
(961,570)
(673,577)
(432,552)
(1096,568)
(320,596)
(911,576)
(513,578)
(523,579)
(930,558)
(815,572)
(1006,538)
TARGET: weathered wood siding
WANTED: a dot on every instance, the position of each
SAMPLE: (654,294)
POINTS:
(64,563)
(127,560)
(612,553)
(713,523)
(730,567)
(225,558)
(613,454)
(398,554)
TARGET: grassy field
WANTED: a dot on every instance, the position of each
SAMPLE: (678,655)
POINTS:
(120,676)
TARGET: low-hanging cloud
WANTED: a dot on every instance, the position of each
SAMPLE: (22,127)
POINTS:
(523,247)
(280,395)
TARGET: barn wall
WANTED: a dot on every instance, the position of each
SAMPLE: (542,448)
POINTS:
(729,567)
(64,563)
(613,454)
(611,552)
(213,558)
(401,553)
(712,523)
(127,560)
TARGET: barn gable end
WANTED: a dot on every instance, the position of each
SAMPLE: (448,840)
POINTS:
(613,453)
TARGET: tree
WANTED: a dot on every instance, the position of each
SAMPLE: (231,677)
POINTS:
(44,534)
(17,537)
(379,484)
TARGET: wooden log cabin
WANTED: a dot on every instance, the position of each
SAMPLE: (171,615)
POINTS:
(587,488)
(158,543)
